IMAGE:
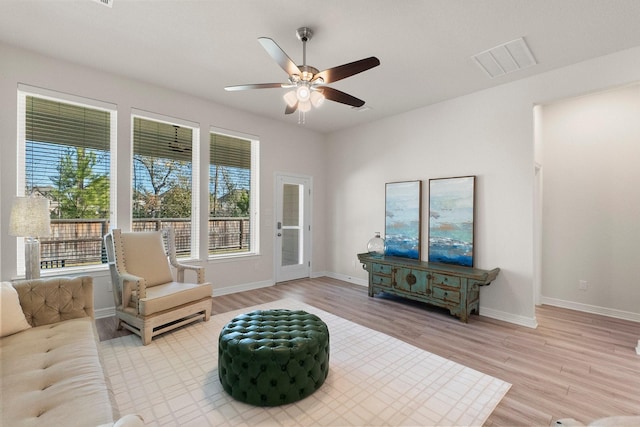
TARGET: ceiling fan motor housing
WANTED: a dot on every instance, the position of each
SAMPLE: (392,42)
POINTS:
(304,34)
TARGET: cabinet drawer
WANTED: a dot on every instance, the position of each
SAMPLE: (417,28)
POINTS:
(443,279)
(445,294)
(381,280)
(381,268)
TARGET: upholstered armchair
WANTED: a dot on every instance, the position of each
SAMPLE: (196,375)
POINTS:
(149,301)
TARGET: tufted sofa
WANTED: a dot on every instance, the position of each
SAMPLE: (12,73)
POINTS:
(51,372)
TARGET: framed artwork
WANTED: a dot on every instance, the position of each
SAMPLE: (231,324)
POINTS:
(451,217)
(403,206)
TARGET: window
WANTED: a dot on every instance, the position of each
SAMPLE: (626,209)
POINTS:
(164,190)
(233,195)
(65,155)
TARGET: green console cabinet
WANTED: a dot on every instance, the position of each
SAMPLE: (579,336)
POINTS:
(453,287)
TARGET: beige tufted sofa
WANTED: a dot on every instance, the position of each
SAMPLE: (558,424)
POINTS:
(51,373)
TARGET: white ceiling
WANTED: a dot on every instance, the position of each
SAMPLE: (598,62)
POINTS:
(425,46)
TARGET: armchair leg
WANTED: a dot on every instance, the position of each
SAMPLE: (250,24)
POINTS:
(146,334)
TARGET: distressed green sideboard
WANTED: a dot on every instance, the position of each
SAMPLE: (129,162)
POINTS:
(454,287)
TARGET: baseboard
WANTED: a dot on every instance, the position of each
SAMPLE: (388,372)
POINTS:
(346,278)
(243,287)
(104,312)
(529,322)
(594,309)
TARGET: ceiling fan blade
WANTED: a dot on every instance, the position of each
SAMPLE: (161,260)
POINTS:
(290,109)
(279,56)
(341,97)
(340,72)
(256,86)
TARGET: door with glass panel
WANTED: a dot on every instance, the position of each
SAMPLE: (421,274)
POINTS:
(292,227)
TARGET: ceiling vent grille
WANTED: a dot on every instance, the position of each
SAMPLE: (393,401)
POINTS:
(108,3)
(505,58)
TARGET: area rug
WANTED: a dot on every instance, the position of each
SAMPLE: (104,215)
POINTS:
(374,379)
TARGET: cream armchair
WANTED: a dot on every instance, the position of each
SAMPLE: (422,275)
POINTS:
(148,300)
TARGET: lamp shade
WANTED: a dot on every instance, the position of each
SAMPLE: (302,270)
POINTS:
(30,217)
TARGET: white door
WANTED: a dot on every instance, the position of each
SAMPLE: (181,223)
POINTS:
(292,227)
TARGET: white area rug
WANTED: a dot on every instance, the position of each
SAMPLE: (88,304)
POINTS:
(374,379)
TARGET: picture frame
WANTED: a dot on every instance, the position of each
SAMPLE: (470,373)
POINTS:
(452,220)
(403,219)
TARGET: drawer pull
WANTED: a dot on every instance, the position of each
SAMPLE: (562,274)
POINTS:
(411,279)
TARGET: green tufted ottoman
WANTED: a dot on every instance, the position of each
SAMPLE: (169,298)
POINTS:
(273,357)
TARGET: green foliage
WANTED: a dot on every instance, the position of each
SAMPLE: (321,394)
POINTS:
(165,190)
(78,191)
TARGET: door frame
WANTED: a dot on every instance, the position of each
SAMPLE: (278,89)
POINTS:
(278,277)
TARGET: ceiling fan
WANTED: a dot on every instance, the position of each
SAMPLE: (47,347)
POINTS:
(307,84)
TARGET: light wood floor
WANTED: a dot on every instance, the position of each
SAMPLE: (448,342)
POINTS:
(574,365)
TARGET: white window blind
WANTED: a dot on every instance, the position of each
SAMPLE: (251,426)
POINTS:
(163,190)
(232,194)
(65,156)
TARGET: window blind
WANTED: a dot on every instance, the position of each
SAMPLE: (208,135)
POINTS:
(230,194)
(65,157)
(162,181)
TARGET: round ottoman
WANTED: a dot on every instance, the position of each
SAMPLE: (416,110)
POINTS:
(273,357)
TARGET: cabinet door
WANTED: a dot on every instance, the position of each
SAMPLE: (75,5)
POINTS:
(410,280)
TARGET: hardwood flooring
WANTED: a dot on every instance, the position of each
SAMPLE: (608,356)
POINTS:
(574,365)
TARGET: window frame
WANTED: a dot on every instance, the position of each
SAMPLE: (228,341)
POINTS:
(254,200)
(25,91)
(195,172)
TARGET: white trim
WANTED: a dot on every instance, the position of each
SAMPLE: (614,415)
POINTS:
(233,133)
(345,278)
(638,348)
(529,322)
(604,311)
(254,190)
(101,313)
(53,95)
(242,287)
(135,112)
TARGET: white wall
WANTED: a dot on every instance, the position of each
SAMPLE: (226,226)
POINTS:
(591,222)
(489,134)
(283,148)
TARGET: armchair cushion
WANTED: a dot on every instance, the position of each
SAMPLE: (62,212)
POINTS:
(146,257)
(171,295)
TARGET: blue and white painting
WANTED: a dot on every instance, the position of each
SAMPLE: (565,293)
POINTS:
(451,213)
(402,219)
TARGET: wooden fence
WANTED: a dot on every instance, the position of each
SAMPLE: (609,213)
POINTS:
(75,242)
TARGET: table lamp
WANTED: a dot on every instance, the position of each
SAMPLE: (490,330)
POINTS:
(30,219)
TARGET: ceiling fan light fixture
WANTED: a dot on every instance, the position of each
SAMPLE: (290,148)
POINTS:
(317,98)
(304,106)
(290,98)
(303,93)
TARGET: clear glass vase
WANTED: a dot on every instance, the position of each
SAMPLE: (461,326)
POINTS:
(376,245)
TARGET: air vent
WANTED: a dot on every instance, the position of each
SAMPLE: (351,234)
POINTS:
(108,3)
(506,58)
